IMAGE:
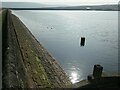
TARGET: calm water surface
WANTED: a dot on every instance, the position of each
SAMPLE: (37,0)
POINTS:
(60,32)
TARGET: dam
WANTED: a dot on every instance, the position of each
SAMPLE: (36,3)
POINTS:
(27,64)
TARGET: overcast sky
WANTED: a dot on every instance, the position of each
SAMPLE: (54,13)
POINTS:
(67,1)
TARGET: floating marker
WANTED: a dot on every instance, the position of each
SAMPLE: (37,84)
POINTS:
(82,41)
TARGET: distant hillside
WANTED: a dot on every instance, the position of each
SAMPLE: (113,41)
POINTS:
(23,5)
(95,7)
(37,6)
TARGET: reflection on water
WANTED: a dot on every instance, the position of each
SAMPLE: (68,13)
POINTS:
(75,74)
(60,31)
(74,77)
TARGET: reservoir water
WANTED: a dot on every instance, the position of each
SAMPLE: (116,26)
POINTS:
(60,33)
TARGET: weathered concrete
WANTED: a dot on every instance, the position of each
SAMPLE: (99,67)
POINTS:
(14,75)
(99,81)
(27,64)
(0,48)
(105,82)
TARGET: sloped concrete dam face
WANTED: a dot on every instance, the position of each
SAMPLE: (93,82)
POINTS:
(26,63)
